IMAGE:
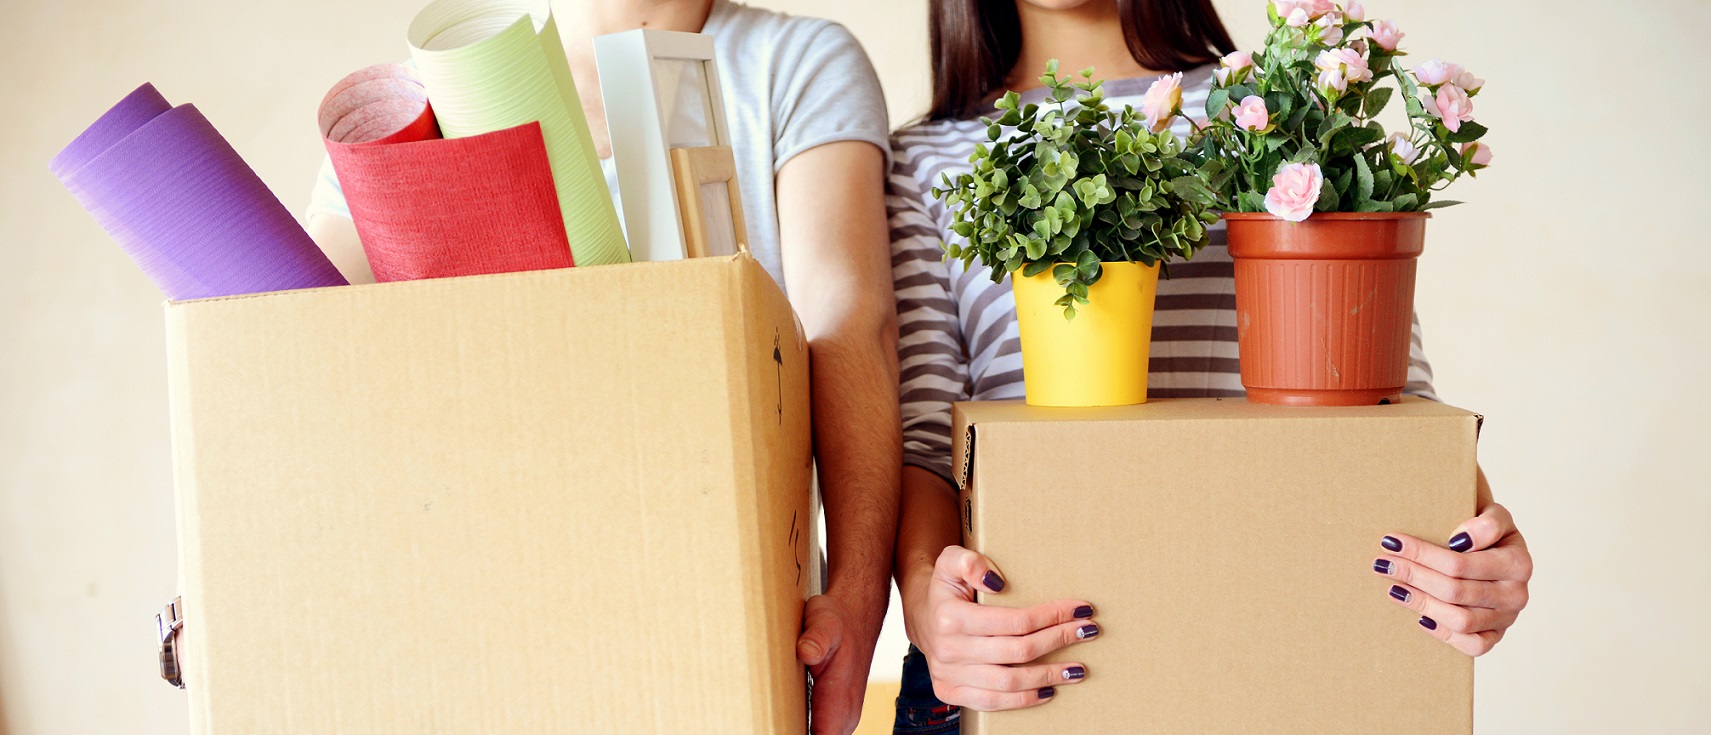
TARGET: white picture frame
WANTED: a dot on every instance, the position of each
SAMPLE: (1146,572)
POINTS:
(661,91)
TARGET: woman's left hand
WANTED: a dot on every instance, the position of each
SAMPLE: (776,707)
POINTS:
(1470,593)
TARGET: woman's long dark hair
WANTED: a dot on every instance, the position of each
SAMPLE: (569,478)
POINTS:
(976,42)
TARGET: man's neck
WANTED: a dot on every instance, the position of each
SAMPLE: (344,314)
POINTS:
(579,21)
(585,19)
(1088,35)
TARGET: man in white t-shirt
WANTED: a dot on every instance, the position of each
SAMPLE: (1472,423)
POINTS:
(809,130)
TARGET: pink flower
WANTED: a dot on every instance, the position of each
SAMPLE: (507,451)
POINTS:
(1403,149)
(1297,18)
(1468,82)
(1162,101)
(1252,115)
(1294,191)
(1359,46)
(1452,106)
(1310,8)
(1344,61)
(1330,27)
(1331,84)
(1356,11)
(1476,155)
(1233,68)
(1435,72)
(1386,34)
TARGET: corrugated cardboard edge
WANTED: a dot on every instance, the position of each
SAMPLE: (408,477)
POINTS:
(748,279)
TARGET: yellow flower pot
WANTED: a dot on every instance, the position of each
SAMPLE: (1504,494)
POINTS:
(1100,357)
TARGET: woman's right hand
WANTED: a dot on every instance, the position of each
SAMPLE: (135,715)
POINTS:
(981,655)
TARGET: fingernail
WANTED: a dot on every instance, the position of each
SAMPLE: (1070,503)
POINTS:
(1075,672)
(1087,631)
(1047,693)
(1403,595)
(1461,542)
(1428,623)
(1390,543)
(993,582)
(1382,566)
(1084,612)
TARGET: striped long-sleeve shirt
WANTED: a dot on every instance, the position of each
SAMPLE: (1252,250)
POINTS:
(958,328)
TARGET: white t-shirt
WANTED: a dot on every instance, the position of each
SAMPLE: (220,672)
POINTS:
(790,83)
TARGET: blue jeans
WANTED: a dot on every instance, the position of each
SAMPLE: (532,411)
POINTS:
(919,712)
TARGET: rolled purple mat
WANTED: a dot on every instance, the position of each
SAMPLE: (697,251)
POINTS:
(184,206)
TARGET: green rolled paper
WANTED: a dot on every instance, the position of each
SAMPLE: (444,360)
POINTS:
(495,64)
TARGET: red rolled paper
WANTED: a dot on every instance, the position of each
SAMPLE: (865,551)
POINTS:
(428,207)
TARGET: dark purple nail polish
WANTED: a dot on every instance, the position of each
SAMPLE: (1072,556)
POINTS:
(993,582)
(1087,631)
(1390,543)
(1461,543)
(1075,672)
(1084,612)
(1400,594)
(1428,623)
(1047,693)
(1383,566)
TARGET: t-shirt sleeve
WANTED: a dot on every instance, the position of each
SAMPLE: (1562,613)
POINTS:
(827,93)
(327,197)
(932,369)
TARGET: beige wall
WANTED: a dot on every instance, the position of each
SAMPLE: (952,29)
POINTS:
(1568,302)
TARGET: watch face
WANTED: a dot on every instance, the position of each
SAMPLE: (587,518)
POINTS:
(169,665)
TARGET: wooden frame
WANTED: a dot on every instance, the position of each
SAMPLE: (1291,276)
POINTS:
(633,67)
(695,168)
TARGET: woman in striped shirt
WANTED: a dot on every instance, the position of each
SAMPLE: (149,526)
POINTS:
(959,342)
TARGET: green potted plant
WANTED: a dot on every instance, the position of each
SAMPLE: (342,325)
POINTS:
(1080,204)
(1327,212)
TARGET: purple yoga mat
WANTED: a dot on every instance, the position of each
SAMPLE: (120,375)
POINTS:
(185,206)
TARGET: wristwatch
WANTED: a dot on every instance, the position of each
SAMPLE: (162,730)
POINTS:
(167,624)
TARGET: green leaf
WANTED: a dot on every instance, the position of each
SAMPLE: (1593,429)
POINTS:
(1328,196)
(1251,201)
(1035,268)
(1363,180)
(1087,264)
(1376,99)
(1216,101)
(1469,132)
(1405,202)
(1439,203)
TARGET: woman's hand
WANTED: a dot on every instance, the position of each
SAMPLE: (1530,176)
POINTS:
(980,655)
(1470,593)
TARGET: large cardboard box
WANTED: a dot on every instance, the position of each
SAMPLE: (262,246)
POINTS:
(568,501)
(1227,548)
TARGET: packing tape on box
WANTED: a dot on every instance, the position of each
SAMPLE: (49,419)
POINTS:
(489,65)
(429,207)
(184,206)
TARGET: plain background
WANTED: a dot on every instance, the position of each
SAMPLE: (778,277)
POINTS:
(1568,302)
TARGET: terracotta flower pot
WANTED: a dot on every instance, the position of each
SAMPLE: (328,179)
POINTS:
(1100,357)
(1324,307)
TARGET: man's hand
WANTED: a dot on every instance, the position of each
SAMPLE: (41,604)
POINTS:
(837,646)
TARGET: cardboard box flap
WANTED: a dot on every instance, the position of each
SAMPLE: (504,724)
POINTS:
(967,417)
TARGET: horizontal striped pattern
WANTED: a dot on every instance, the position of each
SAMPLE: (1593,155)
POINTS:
(958,338)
